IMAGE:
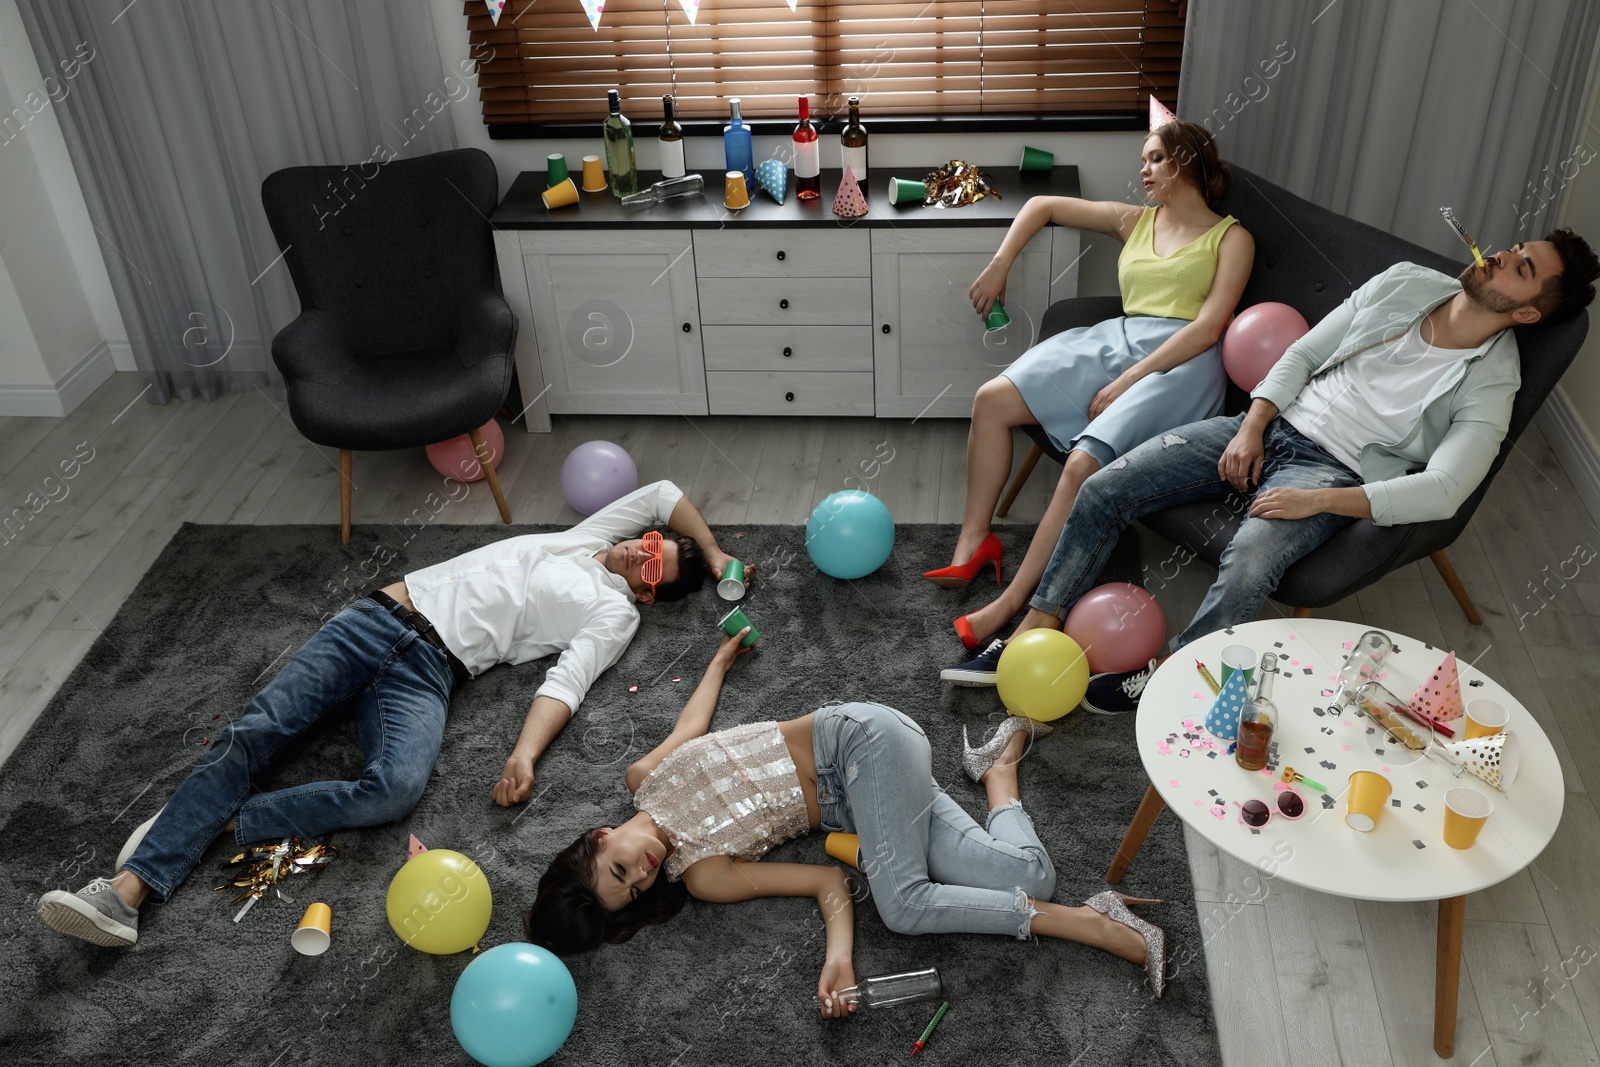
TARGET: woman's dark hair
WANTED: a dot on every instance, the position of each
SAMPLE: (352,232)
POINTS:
(692,571)
(1564,295)
(567,917)
(1189,145)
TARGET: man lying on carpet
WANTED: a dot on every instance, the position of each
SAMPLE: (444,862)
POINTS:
(1414,369)
(393,659)
(711,805)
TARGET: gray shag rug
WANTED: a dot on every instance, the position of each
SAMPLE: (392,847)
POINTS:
(224,606)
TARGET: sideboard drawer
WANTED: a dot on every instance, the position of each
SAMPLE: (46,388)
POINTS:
(828,252)
(785,302)
(786,349)
(798,393)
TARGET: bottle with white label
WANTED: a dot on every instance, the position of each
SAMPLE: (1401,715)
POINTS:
(671,141)
(853,145)
(807,157)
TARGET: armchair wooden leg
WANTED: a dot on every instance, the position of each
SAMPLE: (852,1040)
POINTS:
(345,459)
(1302,613)
(1019,480)
(1459,591)
(482,449)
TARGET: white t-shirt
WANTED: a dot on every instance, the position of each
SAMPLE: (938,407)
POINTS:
(1371,397)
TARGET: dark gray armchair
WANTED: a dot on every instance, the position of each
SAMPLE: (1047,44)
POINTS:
(403,338)
(1311,259)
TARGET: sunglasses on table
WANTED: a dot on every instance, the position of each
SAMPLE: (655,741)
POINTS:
(1256,813)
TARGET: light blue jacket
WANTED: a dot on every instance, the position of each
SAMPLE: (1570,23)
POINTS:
(1464,418)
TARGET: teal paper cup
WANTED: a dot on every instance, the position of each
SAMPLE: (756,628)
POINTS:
(736,620)
(731,585)
(555,170)
(905,191)
(1036,159)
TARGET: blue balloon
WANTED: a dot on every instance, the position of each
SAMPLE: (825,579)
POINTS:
(513,1006)
(850,535)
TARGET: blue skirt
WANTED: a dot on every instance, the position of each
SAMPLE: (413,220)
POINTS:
(1059,377)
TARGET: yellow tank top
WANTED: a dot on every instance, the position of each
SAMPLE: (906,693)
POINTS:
(1170,287)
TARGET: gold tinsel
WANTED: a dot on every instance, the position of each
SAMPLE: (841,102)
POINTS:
(269,864)
(957,184)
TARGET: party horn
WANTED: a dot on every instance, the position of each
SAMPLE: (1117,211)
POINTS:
(312,936)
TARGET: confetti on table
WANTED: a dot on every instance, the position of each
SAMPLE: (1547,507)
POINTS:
(1220,812)
(1348,645)
(1327,800)
(1421,784)
(1346,748)
(1183,753)
(1395,803)
(1291,637)
(1418,843)
(1173,782)
(1419,807)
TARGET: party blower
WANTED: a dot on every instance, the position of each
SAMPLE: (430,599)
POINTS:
(1450,217)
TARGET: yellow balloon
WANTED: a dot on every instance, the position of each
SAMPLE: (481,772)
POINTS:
(1043,674)
(439,902)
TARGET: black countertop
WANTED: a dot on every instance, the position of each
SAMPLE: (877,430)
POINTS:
(522,208)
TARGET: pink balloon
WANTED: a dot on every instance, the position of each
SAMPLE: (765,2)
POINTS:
(1119,626)
(456,458)
(1257,338)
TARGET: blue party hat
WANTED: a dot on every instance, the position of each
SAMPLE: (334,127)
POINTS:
(773,176)
(1223,718)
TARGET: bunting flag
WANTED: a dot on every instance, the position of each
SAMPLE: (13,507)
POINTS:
(1159,115)
(495,7)
(792,3)
(593,8)
(690,8)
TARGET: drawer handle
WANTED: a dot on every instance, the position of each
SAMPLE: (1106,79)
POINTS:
(788,396)
(686,328)
(784,304)
(788,351)
(782,254)
(886,327)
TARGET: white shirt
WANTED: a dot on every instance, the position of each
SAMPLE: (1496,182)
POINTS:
(1374,397)
(525,597)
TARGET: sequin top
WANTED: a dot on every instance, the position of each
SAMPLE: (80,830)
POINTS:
(731,793)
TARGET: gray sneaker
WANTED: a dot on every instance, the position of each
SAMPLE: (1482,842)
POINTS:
(94,913)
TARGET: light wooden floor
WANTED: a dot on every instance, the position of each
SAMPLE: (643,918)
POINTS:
(1297,977)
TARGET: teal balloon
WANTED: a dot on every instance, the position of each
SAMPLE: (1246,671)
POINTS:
(513,1006)
(850,534)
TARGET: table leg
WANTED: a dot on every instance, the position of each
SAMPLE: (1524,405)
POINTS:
(1447,975)
(1143,819)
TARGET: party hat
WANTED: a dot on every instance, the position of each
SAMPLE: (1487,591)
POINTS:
(773,176)
(1223,718)
(1495,758)
(690,8)
(414,848)
(1439,698)
(1159,114)
(593,8)
(495,7)
(848,203)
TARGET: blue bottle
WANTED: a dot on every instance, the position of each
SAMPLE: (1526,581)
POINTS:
(736,142)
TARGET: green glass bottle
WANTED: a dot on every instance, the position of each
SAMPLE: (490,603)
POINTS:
(618,134)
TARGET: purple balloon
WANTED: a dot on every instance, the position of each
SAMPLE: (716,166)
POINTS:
(595,474)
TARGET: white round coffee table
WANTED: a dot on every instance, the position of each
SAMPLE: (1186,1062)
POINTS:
(1405,857)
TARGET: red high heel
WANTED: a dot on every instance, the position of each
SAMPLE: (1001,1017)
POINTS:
(954,577)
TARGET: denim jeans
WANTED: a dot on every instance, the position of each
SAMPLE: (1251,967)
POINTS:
(364,662)
(1180,467)
(932,869)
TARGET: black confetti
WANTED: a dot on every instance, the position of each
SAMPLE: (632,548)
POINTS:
(1419,807)
(1395,803)
(1378,751)
(1310,749)
(1328,765)
(1277,644)
(1328,801)
(1418,843)
(1319,713)
(1476,683)
(1213,792)
(1422,784)
(1211,754)
(1306,670)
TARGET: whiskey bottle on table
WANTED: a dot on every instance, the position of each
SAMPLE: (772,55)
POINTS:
(1259,719)
(807,157)
(853,145)
(671,141)
(618,134)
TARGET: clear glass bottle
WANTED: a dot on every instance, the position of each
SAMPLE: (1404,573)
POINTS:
(671,141)
(618,134)
(853,145)
(679,188)
(807,156)
(736,143)
(1259,718)
(888,990)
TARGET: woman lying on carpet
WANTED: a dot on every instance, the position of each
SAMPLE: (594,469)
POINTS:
(860,768)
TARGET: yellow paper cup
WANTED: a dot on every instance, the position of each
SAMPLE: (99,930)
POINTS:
(735,194)
(561,194)
(594,176)
(1369,791)
(1485,717)
(1465,812)
(312,937)
(846,848)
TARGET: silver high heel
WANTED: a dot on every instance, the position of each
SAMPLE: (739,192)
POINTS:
(1113,905)
(977,761)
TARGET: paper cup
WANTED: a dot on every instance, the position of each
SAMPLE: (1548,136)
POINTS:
(1465,812)
(1036,159)
(594,175)
(1369,791)
(1485,717)
(735,194)
(736,620)
(312,937)
(905,191)
(561,195)
(1239,658)
(846,848)
(731,586)
(997,318)
(555,170)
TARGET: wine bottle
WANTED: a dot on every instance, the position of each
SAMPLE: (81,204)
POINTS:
(1259,719)
(807,157)
(671,141)
(736,143)
(853,145)
(618,134)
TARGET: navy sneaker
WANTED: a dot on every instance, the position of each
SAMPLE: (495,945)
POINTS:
(1118,692)
(976,672)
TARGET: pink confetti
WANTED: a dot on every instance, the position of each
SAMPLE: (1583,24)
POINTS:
(675,679)
(1266,772)
(1387,771)
(1197,696)
(1348,645)
(1327,692)
(633,689)
(1291,637)
(1220,812)
(1163,748)
(1279,786)
(1347,748)
(1292,663)
(1183,753)
(1333,677)
(1173,782)
(1199,803)
(1188,724)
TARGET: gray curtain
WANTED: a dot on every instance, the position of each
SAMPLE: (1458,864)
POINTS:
(1385,110)
(178,109)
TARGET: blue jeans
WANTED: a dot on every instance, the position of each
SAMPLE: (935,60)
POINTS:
(1180,467)
(364,662)
(932,869)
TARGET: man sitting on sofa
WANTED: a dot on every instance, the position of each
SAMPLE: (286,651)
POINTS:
(1414,370)
(393,659)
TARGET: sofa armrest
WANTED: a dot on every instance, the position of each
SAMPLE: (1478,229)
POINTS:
(488,328)
(310,350)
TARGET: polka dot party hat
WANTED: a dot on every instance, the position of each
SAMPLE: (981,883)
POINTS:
(1439,698)
(1495,758)
(1223,718)
(773,176)
(848,203)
